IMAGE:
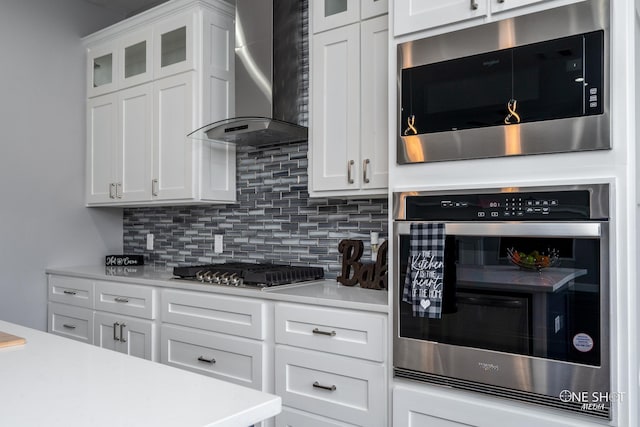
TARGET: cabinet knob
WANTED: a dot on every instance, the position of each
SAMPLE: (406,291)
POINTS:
(474,5)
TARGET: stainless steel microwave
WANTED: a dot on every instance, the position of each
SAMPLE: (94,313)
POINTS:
(529,85)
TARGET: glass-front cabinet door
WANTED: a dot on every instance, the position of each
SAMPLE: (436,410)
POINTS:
(173,46)
(328,14)
(102,63)
(136,65)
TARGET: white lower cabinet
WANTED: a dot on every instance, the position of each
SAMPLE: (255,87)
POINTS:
(225,357)
(71,322)
(330,366)
(135,337)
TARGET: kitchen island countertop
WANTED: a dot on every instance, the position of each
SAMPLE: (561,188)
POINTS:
(55,381)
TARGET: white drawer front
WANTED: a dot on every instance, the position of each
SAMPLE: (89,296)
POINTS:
(127,299)
(71,322)
(230,315)
(222,356)
(71,290)
(350,390)
(345,332)
(293,418)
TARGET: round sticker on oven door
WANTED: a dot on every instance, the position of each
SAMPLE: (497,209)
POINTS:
(583,342)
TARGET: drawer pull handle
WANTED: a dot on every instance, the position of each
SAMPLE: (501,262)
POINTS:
(319,332)
(204,359)
(65,325)
(122,300)
(115,336)
(324,387)
(69,292)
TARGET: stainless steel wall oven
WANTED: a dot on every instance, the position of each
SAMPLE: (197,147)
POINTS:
(522,294)
(533,84)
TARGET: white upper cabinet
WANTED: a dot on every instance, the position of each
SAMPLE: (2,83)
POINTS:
(152,80)
(349,110)
(329,14)
(449,15)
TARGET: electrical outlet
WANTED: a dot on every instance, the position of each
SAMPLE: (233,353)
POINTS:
(217,243)
(149,242)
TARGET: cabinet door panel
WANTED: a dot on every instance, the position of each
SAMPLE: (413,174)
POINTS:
(344,388)
(222,356)
(137,338)
(106,332)
(371,8)
(102,131)
(71,290)
(134,146)
(292,418)
(136,63)
(172,150)
(335,131)
(416,15)
(498,6)
(374,131)
(71,322)
(102,63)
(173,45)
(125,298)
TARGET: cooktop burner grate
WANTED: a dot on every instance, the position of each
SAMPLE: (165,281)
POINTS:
(246,274)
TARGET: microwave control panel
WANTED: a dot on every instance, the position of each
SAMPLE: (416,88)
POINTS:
(533,206)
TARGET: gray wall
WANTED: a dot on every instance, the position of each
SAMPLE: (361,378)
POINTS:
(274,220)
(43,221)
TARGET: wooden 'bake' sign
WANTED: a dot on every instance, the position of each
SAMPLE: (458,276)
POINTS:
(371,275)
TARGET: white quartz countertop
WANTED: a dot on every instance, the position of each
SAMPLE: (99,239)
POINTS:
(54,381)
(321,292)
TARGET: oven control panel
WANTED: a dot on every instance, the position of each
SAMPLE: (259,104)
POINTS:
(565,205)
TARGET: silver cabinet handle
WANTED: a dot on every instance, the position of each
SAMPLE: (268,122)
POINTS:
(122,326)
(319,332)
(349,171)
(120,299)
(112,190)
(324,387)
(67,326)
(500,1)
(119,190)
(115,336)
(204,359)
(154,187)
(474,5)
(69,292)
(365,166)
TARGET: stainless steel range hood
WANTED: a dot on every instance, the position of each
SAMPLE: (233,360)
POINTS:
(269,76)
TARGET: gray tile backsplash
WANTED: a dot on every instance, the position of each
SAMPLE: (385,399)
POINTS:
(274,219)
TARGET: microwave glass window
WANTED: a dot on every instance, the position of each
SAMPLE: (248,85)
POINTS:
(458,94)
(549,79)
(490,303)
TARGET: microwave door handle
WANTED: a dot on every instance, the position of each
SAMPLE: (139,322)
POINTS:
(514,229)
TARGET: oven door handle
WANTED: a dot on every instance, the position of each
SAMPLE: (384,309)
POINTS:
(492,302)
(515,229)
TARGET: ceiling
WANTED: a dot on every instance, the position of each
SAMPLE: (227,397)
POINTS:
(126,8)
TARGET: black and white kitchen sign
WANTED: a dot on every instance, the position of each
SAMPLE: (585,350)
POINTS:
(423,284)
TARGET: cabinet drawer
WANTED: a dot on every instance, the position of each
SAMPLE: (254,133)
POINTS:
(123,298)
(71,322)
(346,332)
(292,418)
(71,290)
(230,315)
(351,390)
(222,356)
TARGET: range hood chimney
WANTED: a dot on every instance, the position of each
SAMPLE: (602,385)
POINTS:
(269,76)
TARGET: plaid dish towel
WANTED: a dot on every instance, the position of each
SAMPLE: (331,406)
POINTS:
(425,272)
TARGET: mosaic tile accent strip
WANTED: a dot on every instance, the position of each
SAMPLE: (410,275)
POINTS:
(274,220)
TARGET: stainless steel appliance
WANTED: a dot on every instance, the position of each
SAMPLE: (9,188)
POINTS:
(248,275)
(528,85)
(525,305)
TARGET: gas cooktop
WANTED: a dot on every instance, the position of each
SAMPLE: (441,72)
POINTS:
(244,274)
